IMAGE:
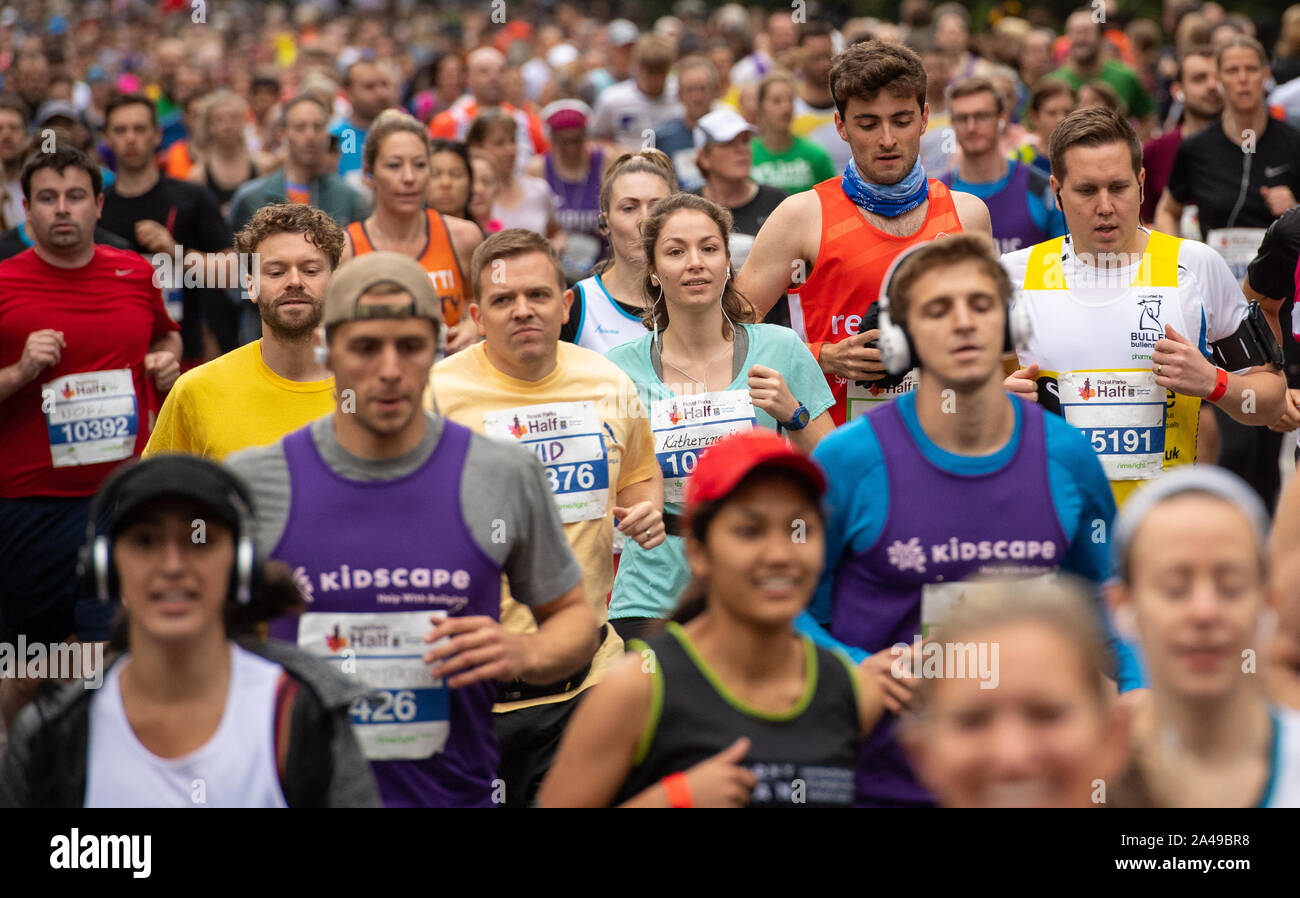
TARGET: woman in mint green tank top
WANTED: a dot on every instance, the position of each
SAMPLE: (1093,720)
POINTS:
(702,373)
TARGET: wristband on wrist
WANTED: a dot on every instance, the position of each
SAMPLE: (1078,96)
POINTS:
(1220,385)
(678,790)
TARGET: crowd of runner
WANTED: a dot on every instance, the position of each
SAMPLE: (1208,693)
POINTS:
(511,405)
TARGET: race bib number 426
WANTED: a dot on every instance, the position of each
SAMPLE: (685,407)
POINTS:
(92,417)
(406,717)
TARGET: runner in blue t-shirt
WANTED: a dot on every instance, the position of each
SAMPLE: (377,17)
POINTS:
(953,483)
(701,375)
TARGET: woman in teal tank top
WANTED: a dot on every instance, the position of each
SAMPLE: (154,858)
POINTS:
(702,373)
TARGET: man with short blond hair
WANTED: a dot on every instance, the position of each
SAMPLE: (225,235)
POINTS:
(579,413)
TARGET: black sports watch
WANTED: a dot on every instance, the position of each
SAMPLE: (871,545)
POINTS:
(799,421)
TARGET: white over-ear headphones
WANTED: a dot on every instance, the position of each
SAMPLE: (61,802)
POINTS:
(896,350)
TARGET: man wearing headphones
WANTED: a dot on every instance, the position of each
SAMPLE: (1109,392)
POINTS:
(1133,328)
(398,525)
(195,712)
(1018,195)
(1022,492)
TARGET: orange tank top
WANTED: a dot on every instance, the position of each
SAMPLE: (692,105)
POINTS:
(438,258)
(852,259)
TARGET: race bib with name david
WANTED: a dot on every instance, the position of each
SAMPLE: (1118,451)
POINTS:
(1122,414)
(569,440)
(862,399)
(92,417)
(406,718)
(684,426)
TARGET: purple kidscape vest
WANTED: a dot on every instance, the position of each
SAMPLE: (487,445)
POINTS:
(1013,225)
(577,205)
(941,527)
(376,547)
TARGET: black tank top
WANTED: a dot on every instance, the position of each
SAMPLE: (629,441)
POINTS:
(804,758)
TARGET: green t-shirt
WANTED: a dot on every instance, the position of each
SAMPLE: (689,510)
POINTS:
(1137,101)
(649,582)
(795,170)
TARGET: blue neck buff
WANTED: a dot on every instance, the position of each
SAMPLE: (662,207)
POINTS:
(889,200)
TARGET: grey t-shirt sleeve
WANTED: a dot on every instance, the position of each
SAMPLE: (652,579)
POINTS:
(504,498)
(509,509)
(267,474)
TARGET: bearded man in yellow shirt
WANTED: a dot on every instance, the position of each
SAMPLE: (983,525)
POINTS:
(257,393)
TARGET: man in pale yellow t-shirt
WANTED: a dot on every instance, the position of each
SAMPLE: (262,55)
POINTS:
(260,392)
(580,414)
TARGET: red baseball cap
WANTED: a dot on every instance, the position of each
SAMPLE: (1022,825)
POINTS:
(730,460)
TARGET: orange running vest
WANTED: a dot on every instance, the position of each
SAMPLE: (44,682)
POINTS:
(438,258)
(851,262)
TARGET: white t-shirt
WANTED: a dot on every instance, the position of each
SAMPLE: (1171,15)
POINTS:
(1208,293)
(1284,791)
(236,768)
(536,206)
(623,113)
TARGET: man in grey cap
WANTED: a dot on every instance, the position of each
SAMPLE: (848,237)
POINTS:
(393,519)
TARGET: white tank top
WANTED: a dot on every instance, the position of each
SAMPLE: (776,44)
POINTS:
(236,768)
(1284,791)
(604,324)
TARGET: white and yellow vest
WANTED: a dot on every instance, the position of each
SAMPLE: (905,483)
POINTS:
(1094,362)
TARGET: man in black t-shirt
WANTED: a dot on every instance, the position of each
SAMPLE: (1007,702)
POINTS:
(1242,171)
(1271,279)
(155,214)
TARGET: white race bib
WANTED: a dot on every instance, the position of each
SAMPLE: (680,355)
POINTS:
(1237,246)
(1122,414)
(863,399)
(569,439)
(684,426)
(408,719)
(92,417)
(938,600)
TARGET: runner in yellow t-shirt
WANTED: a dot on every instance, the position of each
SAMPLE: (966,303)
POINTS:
(259,392)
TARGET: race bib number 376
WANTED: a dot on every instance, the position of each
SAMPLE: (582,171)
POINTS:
(568,438)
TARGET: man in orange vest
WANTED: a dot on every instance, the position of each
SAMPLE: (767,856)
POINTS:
(830,246)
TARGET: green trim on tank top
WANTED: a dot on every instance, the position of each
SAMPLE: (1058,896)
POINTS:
(809,680)
(656,702)
(853,677)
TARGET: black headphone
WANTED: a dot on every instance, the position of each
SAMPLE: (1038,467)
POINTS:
(95,558)
(602,223)
(896,348)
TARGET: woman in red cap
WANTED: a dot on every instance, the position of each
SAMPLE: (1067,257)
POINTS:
(729,707)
